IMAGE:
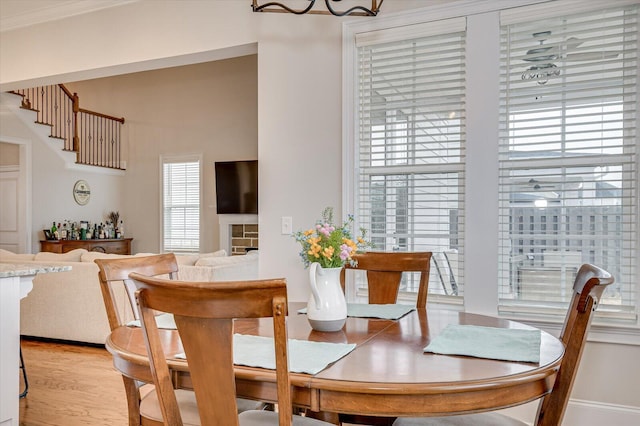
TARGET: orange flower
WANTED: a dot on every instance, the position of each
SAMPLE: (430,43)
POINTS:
(328,252)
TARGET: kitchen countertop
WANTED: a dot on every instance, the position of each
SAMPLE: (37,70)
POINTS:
(22,269)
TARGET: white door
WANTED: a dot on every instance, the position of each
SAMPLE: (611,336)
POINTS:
(9,217)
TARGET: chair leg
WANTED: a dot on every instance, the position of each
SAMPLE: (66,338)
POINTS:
(132,393)
(24,376)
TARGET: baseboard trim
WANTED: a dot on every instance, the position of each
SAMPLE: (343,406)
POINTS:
(593,413)
(583,413)
(61,341)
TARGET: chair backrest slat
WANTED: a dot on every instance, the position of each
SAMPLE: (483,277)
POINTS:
(113,272)
(204,313)
(384,273)
(590,283)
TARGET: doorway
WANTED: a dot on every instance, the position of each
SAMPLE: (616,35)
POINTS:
(15,235)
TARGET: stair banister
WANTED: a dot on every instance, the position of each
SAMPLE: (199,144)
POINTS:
(96,143)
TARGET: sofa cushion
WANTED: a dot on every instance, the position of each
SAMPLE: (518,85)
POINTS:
(220,261)
(230,268)
(187,259)
(6,255)
(192,259)
(219,253)
(235,272)
(67,305)
(70,256)
(93,255)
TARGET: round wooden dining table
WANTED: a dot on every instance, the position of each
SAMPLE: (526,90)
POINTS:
(387,374)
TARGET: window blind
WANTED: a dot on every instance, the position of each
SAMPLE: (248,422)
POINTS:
(568,160)
(410,146)
(181,206)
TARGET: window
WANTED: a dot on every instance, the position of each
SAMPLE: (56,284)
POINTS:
(508,143)
(181,204)
(410,165)
(567,159)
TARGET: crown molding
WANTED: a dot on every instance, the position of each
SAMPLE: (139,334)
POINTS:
(56,10)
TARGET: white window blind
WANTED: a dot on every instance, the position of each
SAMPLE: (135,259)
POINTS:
(568,159)
(181,205)
(410,146)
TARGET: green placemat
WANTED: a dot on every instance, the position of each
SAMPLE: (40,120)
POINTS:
(304,356)
(508,344)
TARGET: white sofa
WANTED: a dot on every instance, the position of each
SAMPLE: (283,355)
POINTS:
(69,306)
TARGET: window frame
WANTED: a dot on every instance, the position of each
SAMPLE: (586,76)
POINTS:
(575,133)
(414,152)
(186,158)
(481,245)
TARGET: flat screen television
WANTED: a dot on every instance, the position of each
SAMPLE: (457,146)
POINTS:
(237,187)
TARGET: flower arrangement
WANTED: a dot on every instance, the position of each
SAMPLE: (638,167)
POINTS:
(329,245)
(113,217)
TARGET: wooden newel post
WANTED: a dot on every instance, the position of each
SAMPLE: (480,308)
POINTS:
(76,138)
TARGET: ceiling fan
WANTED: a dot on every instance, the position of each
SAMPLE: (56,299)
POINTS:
(547,188)
(543,56)
(539,188)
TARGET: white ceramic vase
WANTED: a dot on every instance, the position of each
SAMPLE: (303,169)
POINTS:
(327,307)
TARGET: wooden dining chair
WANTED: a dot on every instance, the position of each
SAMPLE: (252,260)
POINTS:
(118,294)
(204,314)
(114,277)
(588,287)
(384,273)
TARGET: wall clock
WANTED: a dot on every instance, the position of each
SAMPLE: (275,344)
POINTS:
(81,192)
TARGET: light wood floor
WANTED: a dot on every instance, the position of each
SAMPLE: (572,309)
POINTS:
(71,385)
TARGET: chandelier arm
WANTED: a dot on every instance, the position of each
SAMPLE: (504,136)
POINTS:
(366,12)
(263,7)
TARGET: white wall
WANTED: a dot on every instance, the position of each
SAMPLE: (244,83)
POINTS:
(208,109)
(299,114)
(51,195)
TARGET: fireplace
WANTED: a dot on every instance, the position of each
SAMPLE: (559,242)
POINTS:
(238,233)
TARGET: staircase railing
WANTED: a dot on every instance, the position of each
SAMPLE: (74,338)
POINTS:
(96,138)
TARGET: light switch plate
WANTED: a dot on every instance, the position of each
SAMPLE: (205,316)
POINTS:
(287,225)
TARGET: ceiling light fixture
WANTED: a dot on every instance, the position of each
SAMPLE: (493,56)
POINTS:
(543,56)
(354,11)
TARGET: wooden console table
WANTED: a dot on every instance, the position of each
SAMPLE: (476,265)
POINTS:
(115,246)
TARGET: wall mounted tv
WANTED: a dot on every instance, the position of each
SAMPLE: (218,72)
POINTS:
(237,187)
